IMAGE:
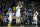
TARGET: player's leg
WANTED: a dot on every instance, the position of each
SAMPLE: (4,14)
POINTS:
(18,20)
(36,21)
(10,18)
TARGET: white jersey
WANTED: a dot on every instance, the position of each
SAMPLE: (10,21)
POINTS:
(17,12)
(10,17)
(35,15)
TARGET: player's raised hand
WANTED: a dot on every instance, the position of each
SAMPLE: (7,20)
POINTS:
(21,6)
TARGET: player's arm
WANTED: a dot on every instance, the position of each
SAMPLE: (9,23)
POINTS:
(20,6)
(8,11)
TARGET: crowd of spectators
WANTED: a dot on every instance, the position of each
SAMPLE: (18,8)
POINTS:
(26,11)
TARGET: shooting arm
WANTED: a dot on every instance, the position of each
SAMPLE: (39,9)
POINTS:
(20,6)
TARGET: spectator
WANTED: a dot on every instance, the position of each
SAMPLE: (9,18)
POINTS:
(4,21)
(29,18)
(1,21)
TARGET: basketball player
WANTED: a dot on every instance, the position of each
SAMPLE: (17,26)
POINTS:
(18,12)
(10,14)
(35,17)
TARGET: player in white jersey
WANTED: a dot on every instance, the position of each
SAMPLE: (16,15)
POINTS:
(35,17)
(10,15)
(18,13)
